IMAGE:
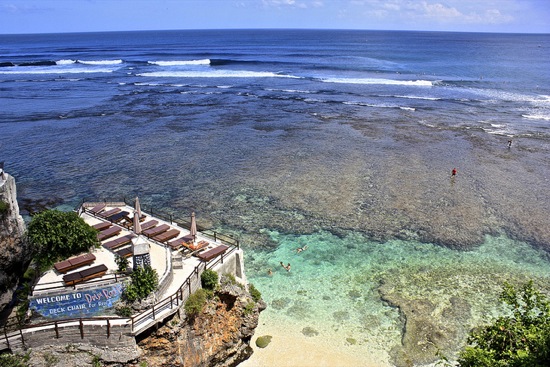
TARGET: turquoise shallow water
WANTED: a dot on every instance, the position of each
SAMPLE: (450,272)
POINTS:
(332,292)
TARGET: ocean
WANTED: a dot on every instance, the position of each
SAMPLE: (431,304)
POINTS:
(341,141)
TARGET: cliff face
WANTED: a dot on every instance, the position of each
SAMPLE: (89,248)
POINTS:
(217,337)
(14,251)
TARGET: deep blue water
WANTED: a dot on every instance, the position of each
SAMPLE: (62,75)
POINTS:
(287,138)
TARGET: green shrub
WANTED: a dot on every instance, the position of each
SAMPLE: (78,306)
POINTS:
(14,360)
(209,279)
(4,208)
(124,311)
(144,281)
(195,303)
(96,361)
(122,263)
(249,308)
(521,339)
(255,293)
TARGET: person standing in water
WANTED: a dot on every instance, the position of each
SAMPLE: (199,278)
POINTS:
(454,172)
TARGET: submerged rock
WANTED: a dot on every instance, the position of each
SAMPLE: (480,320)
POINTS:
(263,341)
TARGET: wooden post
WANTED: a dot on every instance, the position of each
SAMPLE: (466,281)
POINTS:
(81,329)
(154,317)
(22,338)
(215,237)
(6,336)
(108,328)
(56,331)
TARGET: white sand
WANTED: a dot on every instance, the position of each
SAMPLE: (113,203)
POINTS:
(290,348)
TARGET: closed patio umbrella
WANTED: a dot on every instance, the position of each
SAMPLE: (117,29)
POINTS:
(137,207)
(193,228)
(137,223)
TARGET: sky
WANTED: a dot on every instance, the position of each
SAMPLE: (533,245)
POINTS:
(59,16)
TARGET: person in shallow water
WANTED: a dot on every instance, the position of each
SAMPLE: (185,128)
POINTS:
(453,172)
(286,267)
(300,249)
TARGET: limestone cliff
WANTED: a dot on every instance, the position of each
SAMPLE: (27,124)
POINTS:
(14,251)
(218,337)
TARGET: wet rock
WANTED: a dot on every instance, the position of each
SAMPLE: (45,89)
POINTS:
(263,341)
(309,331)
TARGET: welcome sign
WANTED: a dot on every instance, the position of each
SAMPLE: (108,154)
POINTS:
(85,303)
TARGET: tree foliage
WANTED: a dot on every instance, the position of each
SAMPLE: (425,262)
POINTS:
(56,235)
(518,340)
(144,281)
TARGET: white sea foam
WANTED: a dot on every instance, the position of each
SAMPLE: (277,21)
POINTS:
(353,103)
(289,90)
(537,117)
(27,70)
(215,74)
(180,62)
(100,62)
(419,83)
(65,62)
(417,97)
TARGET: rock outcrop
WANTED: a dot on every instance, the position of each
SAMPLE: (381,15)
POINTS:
(219,336)
(14,251)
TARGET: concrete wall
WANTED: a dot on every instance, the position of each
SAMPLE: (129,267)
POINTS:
(233,264)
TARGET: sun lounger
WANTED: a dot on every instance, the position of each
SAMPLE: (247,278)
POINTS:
(119,242)
(177,243)
(149,224)
(166,236)
(151,232)
(75,262)
(117,217)
(211,254)
(108,233)
(108,213)
(125,252)
(97,209)
(101,226)
(198,246)
(84,275)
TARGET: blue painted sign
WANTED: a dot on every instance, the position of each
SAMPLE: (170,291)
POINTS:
(84,303)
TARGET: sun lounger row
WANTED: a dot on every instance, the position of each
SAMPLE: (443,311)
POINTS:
(97,209)
(152,232)
(75,262)
(177,243)
(149,224)
(101,226)
(119,242)
(211,254)
(110,212)
(119,217)
(125,252)
(84,275)
(108,233)
(167,236)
